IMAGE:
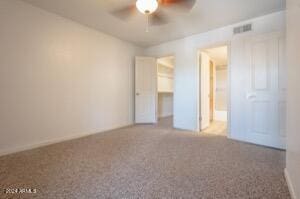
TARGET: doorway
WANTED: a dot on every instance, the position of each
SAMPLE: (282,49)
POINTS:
(213,90)
(165,90)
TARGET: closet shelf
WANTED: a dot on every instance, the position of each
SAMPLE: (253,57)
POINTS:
(165,92)
(165,76)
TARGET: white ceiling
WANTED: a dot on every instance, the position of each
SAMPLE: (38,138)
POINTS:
(206,15)
(218,55)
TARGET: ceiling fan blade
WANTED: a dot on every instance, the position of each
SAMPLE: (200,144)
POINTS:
(125,12)
(158,18)
(183,4)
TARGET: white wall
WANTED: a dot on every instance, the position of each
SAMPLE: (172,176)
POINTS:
(59,79)
(293,121)
(186,103)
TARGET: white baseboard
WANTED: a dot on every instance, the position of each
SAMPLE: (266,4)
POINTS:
(54,141)
(220,116)
(289,183)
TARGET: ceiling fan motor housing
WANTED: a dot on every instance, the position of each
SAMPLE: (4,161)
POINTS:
(147,6)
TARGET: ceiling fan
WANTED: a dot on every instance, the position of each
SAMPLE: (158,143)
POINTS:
(149,8)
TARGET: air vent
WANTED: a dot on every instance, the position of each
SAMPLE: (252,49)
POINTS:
(241,29)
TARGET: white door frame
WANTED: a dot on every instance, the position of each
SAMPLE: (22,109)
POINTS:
(215,45)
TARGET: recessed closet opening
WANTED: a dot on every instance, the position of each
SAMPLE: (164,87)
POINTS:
(165,90)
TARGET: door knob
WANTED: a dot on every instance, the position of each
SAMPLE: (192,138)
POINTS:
(137,94)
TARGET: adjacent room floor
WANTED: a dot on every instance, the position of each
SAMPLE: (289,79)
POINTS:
(148,161)
(216,128)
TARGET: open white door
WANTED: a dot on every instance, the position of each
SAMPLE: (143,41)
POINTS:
(263,91)
(145,89)
(204,90)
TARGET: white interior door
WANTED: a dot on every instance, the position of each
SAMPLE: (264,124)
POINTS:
(204,90)
(263,55)
(145,89)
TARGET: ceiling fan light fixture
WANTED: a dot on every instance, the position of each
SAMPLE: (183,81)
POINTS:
(147,6)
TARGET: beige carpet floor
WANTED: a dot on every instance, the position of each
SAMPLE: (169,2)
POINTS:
(147,161)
